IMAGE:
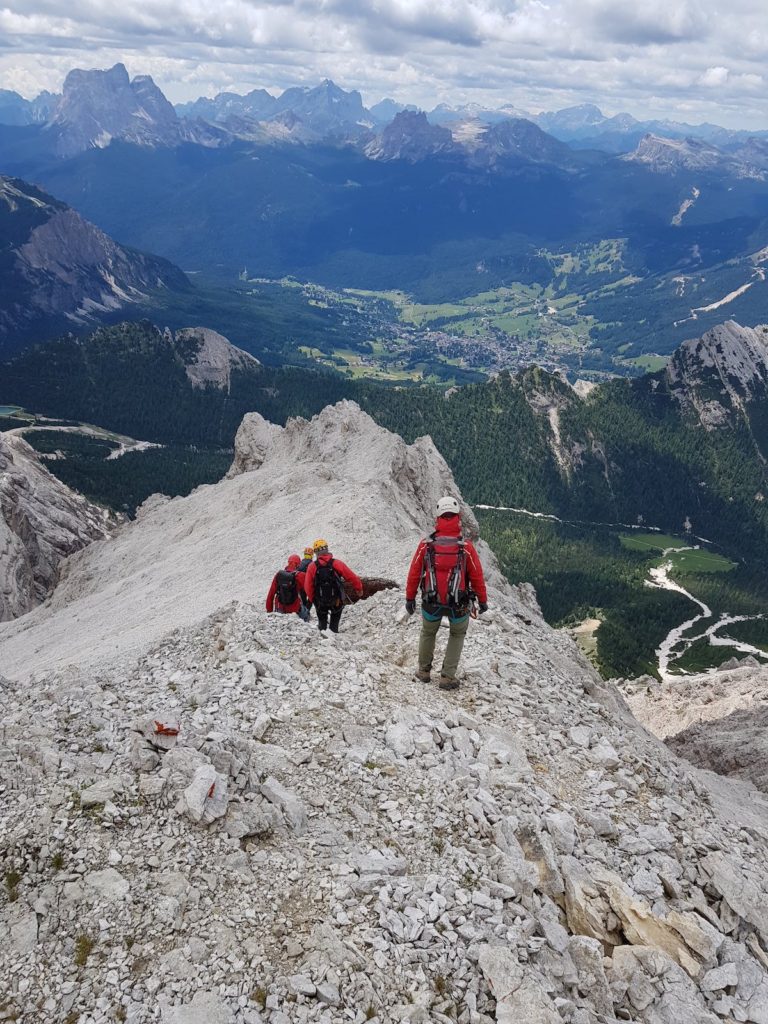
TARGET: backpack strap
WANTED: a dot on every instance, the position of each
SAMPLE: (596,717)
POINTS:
(428,572)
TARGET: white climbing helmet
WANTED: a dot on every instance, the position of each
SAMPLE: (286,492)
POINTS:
(447,504)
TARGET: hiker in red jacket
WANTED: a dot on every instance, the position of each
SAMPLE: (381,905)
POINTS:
(324,585)
(287,593)
(448,570)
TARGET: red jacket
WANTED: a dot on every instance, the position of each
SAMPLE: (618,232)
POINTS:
(445,560)
(343,570)
(273,605)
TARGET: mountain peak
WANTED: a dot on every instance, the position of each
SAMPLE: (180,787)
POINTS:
(720,373)
(410,137)
(522,139)
(99,106)
(667,155)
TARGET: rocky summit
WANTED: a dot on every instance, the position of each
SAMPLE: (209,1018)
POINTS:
(231,818)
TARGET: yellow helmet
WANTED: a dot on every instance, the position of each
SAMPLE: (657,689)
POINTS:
(309,551)
(320,545)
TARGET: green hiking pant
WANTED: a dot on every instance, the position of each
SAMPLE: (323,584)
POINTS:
(429,629)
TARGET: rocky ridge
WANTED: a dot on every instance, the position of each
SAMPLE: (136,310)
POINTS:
(719,373)
(60,269)
(410,137)
(338,475)
(41,522)
(669,155)
(99,106)
(245,822)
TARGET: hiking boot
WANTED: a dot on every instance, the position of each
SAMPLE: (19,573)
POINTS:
(448,683)
(422,675)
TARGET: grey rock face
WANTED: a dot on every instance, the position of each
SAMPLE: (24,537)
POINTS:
(715,720)
(63,266)
(411,137)
(98,106)
(716,374)
(41,522)
(215,357)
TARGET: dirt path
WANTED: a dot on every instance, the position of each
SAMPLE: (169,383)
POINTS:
(124,443)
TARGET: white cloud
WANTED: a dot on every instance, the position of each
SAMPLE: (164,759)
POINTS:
(657,58)
(714,78)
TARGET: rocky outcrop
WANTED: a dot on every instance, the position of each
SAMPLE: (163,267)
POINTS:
(41,522)
(717,720)
(62,269)
(254,438)
(214,357)
(411,137)
(99,106)
(717,375)
(244,820)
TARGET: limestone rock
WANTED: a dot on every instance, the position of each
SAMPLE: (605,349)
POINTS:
(587,908)
(204,1008)
(291,806)
(656,989)
(205,798)
(108,884)
(744,893)
(519,994)
(42,521)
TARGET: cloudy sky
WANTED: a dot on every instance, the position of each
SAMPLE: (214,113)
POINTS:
(692,60)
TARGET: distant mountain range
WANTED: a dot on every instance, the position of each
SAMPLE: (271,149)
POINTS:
(442,206)
(98,106)
(58,270)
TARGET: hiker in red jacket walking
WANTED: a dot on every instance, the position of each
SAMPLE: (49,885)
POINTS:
(324,585)
(287,593)
(448,570)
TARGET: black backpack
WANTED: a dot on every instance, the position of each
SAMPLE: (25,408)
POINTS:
(287,588)
(329,590)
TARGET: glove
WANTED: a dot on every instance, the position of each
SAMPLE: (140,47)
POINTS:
(410,606)
(482,607)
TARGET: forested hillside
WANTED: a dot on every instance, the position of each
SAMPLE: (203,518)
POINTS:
(629,452)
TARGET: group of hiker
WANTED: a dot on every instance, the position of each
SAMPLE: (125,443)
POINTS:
(445,570)
(316,579)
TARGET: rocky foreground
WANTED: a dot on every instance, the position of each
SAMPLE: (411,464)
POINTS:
(246,822)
